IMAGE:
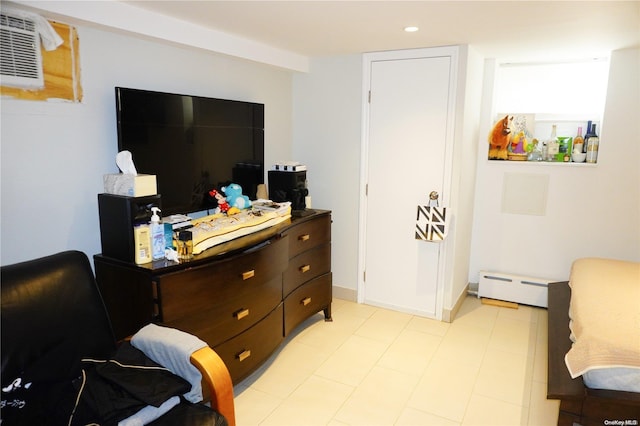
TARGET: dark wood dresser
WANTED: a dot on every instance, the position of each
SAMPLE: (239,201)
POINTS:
(242,297)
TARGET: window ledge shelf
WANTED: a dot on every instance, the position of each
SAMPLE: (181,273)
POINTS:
(543,163)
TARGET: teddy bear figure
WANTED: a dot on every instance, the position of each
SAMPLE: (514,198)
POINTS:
(499,139)
(233,193)
(223,205)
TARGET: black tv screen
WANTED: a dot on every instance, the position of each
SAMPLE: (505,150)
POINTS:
(192,144)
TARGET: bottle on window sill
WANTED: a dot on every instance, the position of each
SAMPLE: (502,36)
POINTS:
(552,145)
(586,136)
(593,143)
(578,141)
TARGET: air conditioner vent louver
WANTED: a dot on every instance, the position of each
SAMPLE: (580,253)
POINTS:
(20,23)
(20,56)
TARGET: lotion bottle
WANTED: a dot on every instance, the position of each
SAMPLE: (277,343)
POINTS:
(157,235)
(142,241)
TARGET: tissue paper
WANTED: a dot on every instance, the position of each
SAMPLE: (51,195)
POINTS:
(124,161)
(129,182)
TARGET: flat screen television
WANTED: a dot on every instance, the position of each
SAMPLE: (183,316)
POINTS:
(192,144)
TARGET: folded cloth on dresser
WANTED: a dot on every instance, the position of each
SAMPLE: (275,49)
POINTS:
(604,316)
(172,349)
(216,229)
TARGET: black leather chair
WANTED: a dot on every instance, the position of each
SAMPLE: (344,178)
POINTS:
(52,310)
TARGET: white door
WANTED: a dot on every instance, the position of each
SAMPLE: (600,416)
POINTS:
(407,154)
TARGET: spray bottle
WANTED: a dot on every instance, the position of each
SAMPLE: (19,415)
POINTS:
(157,235)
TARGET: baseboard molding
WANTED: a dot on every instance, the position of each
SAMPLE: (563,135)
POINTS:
(345,293)
(448,315)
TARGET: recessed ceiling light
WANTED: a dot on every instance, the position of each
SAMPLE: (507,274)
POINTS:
(411,29)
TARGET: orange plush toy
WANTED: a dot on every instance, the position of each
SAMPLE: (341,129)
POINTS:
(499,139)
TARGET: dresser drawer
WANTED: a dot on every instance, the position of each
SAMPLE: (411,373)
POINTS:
(309,234)
(245,352)
(306,301)
(306,266)
(219,323)
(205,288)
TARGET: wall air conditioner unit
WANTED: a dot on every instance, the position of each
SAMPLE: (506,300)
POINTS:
(21,57)
(513,288)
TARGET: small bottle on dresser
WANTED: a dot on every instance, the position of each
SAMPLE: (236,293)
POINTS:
(142,242)
(185,245)
(157,235)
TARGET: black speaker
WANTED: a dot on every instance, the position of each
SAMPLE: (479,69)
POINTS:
(288,186)
(118,215)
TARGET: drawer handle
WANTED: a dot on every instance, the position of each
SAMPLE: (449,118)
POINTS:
(243,355)
(241,314)
(304,237)
(248,274)
(305,268)
(305,301)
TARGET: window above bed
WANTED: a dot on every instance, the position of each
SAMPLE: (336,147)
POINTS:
(567,95)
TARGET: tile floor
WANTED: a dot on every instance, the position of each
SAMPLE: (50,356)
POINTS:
(374,366)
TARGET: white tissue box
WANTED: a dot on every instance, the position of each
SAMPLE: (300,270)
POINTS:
(130,185)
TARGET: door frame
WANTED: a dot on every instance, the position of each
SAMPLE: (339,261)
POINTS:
(368,59)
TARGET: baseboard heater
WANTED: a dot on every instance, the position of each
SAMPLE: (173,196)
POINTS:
(513,288)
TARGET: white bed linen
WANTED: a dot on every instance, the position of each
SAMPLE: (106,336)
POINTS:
(605,323)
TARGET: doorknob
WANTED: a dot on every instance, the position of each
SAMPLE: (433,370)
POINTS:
(433,199)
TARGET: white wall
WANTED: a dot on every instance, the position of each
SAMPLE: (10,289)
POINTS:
(54,154)
(326,134)
(590,210)
(458,245)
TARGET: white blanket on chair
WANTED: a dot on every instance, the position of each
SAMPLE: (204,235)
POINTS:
(172,349)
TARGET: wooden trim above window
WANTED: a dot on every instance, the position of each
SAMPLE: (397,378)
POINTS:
(61,68)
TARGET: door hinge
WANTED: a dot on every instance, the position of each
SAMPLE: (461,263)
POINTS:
(366,190)
(364,276)
(369,96)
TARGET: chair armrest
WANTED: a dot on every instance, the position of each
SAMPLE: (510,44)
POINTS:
(216,375)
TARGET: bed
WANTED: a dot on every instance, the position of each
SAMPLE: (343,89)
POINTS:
(594,336)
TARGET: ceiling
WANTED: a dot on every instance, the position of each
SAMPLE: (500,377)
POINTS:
(509,30)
